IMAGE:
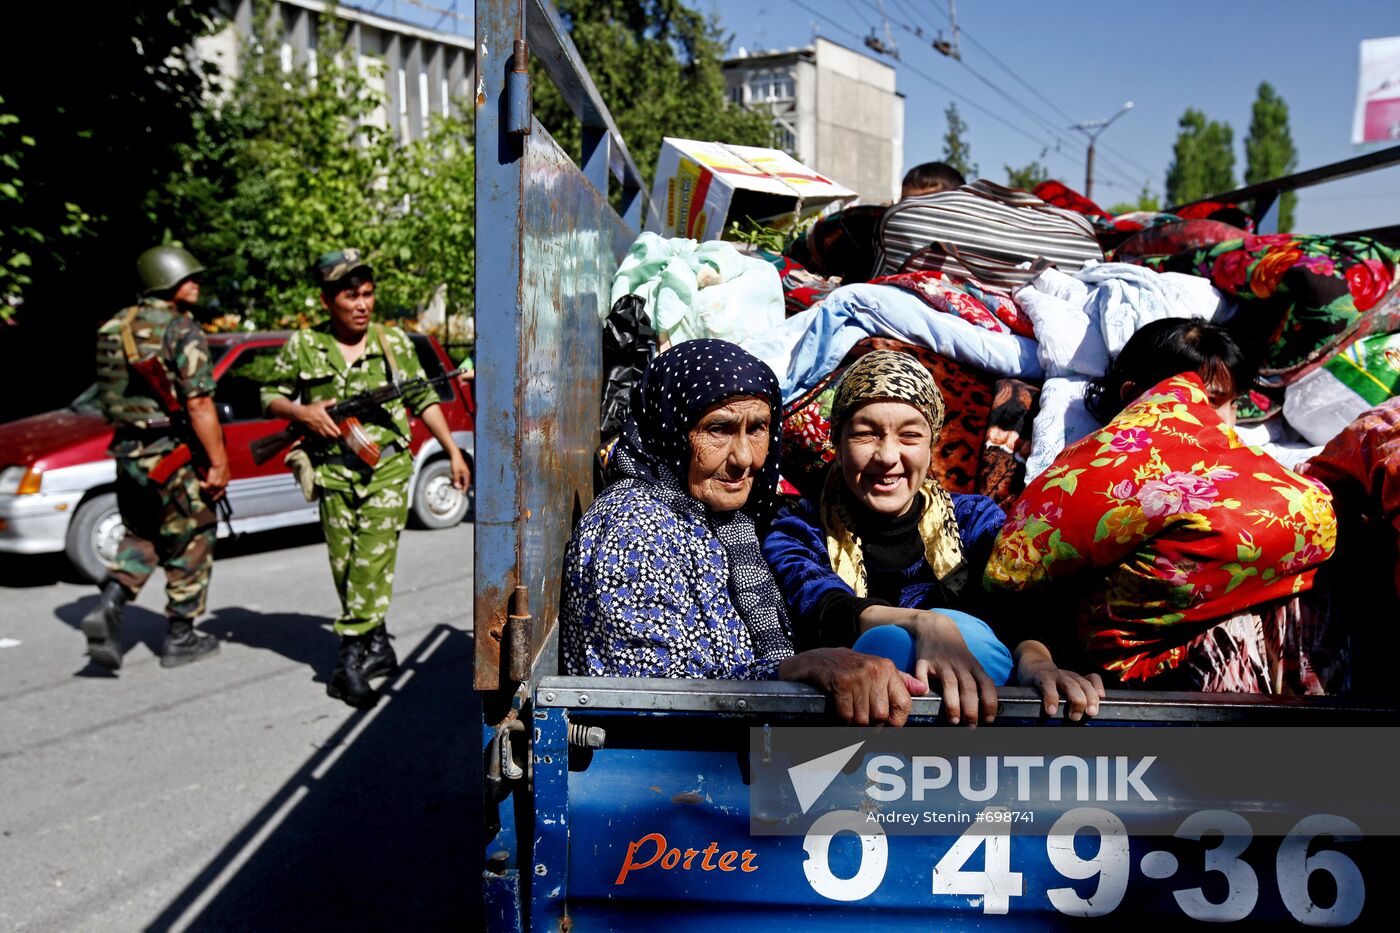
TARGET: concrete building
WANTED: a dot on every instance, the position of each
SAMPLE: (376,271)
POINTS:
(833,108)
(422,70)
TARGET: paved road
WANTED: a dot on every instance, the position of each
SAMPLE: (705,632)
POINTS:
(233,794)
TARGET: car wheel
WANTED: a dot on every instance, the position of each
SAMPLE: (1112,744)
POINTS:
(94,536)
(436,502)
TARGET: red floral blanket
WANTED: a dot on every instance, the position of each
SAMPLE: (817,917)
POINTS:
(1172,521)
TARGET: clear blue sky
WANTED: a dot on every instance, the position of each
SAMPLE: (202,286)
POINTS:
(1088,58)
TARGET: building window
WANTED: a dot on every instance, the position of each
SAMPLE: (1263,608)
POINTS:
(771,88)
(784,138)
(736,94)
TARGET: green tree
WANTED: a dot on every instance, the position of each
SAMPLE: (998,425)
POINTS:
(1269,150)
(286,166)
(956,151)
(1203,159)
(1147,200)
(1027,176)
(81,158)
(20,240)
(431,244)
(657,66)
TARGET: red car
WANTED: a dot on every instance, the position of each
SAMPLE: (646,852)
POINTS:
(56,480)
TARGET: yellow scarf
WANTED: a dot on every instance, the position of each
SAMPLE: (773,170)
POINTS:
(938,528)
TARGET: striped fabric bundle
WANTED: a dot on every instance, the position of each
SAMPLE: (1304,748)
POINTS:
(983,231)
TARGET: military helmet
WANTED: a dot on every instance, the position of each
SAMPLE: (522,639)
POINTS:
(163,267)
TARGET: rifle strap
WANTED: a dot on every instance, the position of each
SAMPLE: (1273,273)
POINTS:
(390,360)
(160,383)
(129,339)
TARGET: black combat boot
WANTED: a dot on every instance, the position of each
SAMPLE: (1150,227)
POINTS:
(380,660)
(103,625)
(348,682)
(183,644)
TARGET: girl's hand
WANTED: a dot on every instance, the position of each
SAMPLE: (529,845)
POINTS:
(1082,694)
(947,666)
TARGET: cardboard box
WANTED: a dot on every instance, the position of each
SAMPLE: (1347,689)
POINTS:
(702,187)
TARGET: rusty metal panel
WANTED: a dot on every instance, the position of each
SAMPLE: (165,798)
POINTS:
(499,211)
(547,246)
(571,244)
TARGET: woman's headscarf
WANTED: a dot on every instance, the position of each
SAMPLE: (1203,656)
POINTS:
(678,387)
(890,376)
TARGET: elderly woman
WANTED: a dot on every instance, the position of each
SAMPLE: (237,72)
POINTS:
(1177,549)
(892,562)
(664,577)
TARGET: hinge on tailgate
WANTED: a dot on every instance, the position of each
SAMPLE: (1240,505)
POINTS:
(518,91)
(519,634)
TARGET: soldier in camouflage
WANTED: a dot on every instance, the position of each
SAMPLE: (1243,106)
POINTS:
(363,508)
(169,524)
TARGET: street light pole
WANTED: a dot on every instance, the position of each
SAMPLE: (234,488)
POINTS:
(1092,129)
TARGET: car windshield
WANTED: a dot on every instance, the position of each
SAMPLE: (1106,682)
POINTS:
(87,399)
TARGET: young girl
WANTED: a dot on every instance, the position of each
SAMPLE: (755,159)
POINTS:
(891,564)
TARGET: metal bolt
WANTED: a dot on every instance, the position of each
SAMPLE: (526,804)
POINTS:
(541,870)
(583,699)
(743,704)
(549,697)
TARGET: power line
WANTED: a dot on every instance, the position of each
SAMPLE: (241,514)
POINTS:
(819,14)
(910,29)
(859,15)
(909,13)
(1033,89)
(1048,102)
(1060,138)
(1051,104)
(1046,147)
(1126,158)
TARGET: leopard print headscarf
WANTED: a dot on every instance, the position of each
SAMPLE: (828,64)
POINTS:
(887,375)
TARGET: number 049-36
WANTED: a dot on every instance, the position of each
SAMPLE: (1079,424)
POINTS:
(996,883)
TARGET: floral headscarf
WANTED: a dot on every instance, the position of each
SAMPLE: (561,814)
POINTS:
(678,387)
(887,375)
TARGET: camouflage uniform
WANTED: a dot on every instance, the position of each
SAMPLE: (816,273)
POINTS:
(362,509)
(168,525)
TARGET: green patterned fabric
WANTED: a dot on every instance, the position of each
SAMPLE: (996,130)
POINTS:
(1302,298)
(363,509)
(1370,367)
(311,368)
(167,526)
(362,538)
(127,400)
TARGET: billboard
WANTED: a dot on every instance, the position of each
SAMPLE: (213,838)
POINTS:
(1378,93)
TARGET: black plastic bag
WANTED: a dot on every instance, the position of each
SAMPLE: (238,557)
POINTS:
(629,343)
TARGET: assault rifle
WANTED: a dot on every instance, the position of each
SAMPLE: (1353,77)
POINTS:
(182,454)
(153,373)
(347,416)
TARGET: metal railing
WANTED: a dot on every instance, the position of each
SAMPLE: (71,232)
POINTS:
(769,698)
(604,150)
(1264,195)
